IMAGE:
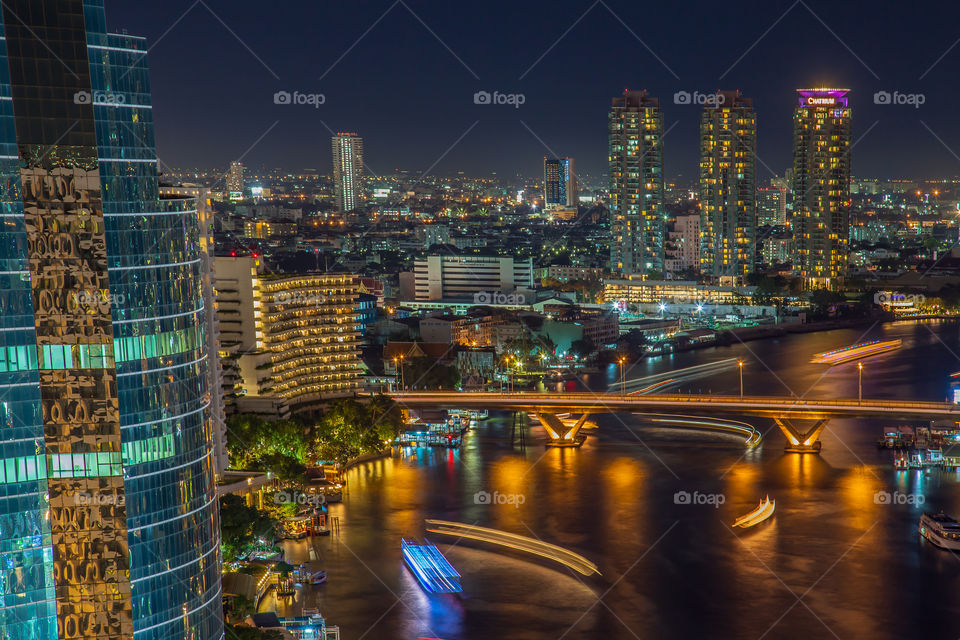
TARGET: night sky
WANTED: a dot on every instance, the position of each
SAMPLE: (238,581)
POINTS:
(407,94)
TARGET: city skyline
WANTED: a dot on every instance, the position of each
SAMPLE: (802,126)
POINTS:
(771,68)
(636,305)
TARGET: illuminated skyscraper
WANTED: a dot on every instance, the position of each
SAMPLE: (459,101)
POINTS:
(728,186)
(821,185)
(235,180)
(635,127)
(109,526)
(559,183)
(347,170)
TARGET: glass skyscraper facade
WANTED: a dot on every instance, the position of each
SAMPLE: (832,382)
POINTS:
(109,524)
(559,183)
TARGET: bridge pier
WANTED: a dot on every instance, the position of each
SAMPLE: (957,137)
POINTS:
(802,442)
(562,435)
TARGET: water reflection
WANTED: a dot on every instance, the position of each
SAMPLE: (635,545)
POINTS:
(857,563)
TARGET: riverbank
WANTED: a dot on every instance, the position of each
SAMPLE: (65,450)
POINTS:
(386,452)
(761,332)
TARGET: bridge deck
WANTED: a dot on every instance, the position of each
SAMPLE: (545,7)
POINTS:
(747,405)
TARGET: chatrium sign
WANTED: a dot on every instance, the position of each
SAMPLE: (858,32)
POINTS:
(823,97)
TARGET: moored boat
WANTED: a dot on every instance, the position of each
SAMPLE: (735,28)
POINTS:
(941,530)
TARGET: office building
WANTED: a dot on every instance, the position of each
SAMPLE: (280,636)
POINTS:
(295,336)
(559,184)
(635,128)
(821,185)
(235,180)
(348,171)
(486,280)
(631,292)
(109,523)
(218,417)
(728,187)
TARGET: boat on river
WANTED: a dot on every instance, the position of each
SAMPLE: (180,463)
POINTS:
(761,512)
(433,571)
(941,530)
(856,352)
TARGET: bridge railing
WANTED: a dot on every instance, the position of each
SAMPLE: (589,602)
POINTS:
(705,399)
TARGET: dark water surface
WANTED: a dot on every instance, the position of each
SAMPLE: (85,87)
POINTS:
(831,563)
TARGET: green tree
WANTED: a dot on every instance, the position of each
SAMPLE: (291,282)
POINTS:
(582,348)
(240,525)
(250,438)
(287,469)
(631,345)
(239,607)
(427,373)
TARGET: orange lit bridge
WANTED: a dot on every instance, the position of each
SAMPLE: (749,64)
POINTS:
(787,412)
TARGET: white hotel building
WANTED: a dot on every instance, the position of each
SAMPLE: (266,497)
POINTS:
(462,277)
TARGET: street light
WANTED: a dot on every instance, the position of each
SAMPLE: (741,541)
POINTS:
(623,384)
(859,382)
(740,365)
(403,383)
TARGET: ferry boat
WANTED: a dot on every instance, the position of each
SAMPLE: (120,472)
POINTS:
(941,530)
(856,352)
(434,573)
(307,574)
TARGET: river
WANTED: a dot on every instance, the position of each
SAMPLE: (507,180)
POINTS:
(834,561)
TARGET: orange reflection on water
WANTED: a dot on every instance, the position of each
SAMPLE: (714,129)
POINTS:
(743,487)
(859,487)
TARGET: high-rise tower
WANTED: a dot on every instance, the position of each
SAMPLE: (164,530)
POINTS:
(109,525)
(728,186)
(635,127)
(347,170)
(821,185)
(559,183)
(235,180)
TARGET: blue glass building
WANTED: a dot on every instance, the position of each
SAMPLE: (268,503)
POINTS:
(109,524)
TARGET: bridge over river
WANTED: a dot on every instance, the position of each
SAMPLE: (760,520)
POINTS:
(786,411)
